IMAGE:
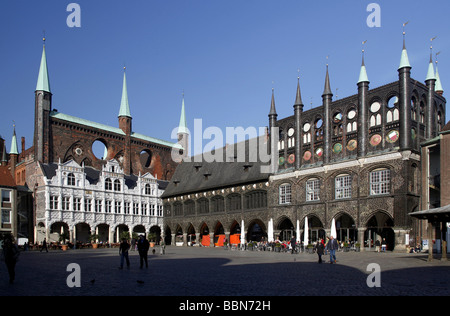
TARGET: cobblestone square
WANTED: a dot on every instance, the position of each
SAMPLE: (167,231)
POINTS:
(192,271)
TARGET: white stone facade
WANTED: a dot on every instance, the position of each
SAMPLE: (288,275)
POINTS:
(82,201)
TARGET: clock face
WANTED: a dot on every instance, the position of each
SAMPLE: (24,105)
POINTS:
(290,132)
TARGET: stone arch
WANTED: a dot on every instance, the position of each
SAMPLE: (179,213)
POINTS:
(345,227)
(379,225)
(256,230)
(82,232)
(316,228)
(204,234)
(286,228)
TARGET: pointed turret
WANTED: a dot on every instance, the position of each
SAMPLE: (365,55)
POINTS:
(182,126)
(124,106)
(13,154)
(183,132)
(430,73)
(327,88)
(14,149)
(363,72)
(298,96)
(273,110)
(126,126)
(430,81)
(404,60)
(298,109)
(404,102)
(43,82)
(43,107)
(363,92)
(326,101)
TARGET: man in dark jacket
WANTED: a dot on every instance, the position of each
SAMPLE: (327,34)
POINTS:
(143,246)
(293,244)
(319,250)
(332,246)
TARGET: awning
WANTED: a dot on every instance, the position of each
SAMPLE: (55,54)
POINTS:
(439,214)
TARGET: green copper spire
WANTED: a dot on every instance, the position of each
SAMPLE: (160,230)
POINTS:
(14,143)
(404,60)
(430,73)
(43,83)
(182,127)
(363,73)
(124,106)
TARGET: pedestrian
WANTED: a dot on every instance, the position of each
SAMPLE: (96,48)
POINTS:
(319,250)
(10,255)
(293,244)
(332,246)
(383,245)
(44,245)
(143,246)
(162,244)
(123,252)
(377,245)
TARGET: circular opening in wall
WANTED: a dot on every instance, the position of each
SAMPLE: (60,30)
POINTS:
(99,150)
(146,158)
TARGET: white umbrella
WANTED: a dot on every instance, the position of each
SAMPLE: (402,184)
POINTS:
(305,233)
(298,231)
(333,229)
(270,234)
(242,233)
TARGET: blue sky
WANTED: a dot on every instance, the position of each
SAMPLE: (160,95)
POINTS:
(225,55)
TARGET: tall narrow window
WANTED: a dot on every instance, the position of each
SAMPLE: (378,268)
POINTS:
(285,193)
(70,179)
(117,186)
(343,187)
(312,190)
(66,203)
(53,202)
(108,184)
(87,205)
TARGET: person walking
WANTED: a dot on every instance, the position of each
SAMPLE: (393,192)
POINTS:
(143,246)
(383,245)
(377,245)
(319,250)
(332,246)
(162,244)
(293,244)
(44,245)
(123,252)
(10,255)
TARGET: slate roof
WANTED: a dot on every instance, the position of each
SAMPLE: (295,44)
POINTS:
(198,175)
(93,176)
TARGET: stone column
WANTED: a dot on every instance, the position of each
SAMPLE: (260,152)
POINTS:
(361,231)
(184,239)
(211,240)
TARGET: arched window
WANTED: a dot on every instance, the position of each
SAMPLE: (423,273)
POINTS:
(70,179)
(147,189)
(285,193)
(117,186)
(108,184)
